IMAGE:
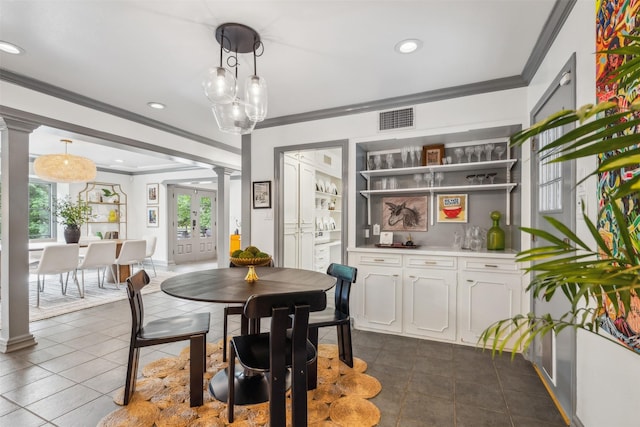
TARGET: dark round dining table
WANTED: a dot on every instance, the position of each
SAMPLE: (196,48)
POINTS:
(227,286)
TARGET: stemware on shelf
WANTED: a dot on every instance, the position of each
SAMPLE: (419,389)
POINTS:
(418,154)
(428,178)
(377,161)
(389,159)
(491,176)
(439,178)
(471,179)
(480,178)
(459,152)
(469,152)
(488,148)
(478,150)
(500,149)
(404,153)
(412,157)
(417,177)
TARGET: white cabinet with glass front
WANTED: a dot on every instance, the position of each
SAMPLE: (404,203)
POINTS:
(108,203)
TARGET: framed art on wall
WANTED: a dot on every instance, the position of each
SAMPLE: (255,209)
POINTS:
(152,194)
(404,213)
(152,216)
(262,195)
(432,154)
(452,208)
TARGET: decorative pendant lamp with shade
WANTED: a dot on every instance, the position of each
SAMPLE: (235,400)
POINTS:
(64,167)
(234,114)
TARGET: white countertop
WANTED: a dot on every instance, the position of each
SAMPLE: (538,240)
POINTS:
(438,250)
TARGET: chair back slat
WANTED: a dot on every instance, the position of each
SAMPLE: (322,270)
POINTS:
(135,284)
(259,306)
(345,276)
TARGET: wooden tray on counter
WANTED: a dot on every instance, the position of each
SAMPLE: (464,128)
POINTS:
(396,246)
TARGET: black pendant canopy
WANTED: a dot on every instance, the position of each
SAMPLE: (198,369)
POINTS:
(237,37)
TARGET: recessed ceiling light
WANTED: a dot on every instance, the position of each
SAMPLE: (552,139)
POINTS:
(10,48)
(119,161)
(408,46)
(156,105)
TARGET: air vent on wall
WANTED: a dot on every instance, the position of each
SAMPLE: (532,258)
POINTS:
(395,119)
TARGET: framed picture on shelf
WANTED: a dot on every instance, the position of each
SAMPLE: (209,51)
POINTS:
(153,194)
(152,216)
(404,213)
(262,195)
(432,154)
(452,208)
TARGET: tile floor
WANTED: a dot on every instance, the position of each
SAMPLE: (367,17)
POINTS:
(80,359)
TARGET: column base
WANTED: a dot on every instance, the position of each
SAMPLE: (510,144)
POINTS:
(17,343)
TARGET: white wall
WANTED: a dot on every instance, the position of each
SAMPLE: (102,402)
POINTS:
(453,115)
(607,374)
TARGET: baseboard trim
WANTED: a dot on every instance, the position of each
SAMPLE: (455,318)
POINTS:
(553,396)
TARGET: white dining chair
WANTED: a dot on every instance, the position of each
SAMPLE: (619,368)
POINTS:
(151,249)
(58,259)
(132,253)
(99,255)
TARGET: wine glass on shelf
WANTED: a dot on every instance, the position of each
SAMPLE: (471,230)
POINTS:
(471,179)
(439,178)
(428,177)
(459,152)
(389,159)
(478,150)
(500,149)
(404,153)
(480,178)
(412,157)
(488,148)
(491,176)
(418,154)
(417,177)
(469,152)
(377,161)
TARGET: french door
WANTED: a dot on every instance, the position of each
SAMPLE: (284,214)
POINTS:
(194,225)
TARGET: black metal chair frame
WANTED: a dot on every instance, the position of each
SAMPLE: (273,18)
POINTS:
(274,351)
(338,317)
(193,327)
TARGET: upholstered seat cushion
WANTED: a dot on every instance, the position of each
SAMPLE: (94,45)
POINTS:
(184,325)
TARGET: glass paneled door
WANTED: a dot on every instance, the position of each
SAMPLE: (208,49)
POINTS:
(194,225)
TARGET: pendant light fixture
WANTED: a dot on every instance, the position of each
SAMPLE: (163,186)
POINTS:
(234,114)
(64,167)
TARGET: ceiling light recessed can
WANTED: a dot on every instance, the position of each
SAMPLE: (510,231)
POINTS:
(408,45)
(10,48)
(156,105)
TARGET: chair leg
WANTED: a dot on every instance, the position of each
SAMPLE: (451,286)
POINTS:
(38,291)
(345,349)
(153,266)
(116,276)
(225,323)
(63,287)
(312,370)
(132,369)
(75,279)
(231,393)
(198,353)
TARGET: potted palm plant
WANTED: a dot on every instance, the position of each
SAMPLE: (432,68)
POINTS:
(602,284)
(72,215)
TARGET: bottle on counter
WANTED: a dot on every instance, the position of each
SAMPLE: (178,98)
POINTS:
(495,235)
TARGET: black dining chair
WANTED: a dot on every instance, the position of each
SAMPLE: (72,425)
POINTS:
(285,346)
(193,327)
(230,310)
(338,317)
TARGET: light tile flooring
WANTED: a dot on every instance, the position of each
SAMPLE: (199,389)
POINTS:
(80,359)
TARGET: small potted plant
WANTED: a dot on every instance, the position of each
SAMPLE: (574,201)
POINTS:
(72,215)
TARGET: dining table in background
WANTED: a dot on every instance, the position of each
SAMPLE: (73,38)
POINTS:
(227,286)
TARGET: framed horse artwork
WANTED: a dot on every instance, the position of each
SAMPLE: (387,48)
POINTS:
(404,213)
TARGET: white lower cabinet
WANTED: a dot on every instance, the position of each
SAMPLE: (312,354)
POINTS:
(441,297)
(484,298)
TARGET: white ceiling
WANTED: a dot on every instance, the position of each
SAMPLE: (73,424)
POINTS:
(318,54)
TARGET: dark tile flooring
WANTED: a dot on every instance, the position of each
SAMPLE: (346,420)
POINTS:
(69,377)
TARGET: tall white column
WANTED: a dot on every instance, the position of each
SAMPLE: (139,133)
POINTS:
(222,215)
(14,263)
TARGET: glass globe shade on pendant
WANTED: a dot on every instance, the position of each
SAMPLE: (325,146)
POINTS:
(255,97)
(220,86)
(65,167)
(232,117)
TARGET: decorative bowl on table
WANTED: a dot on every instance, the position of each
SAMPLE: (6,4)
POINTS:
(252,263)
